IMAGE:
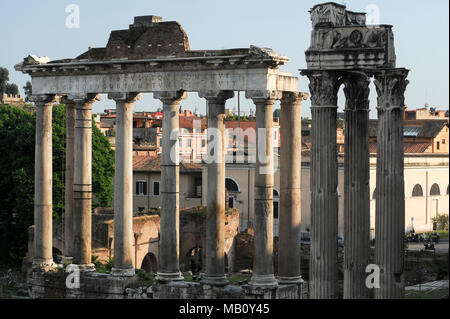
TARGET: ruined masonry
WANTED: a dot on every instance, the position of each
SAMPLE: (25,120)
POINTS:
(154,56)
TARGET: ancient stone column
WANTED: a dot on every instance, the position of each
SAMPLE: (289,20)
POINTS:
(82,188)
(290,184)
(263,272)
(43,233)
(123,185)
(323,86)
(390,201)
(215,214)
(356,186)
(169,250)
(69,177)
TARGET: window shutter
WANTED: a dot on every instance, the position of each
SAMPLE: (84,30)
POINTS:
(144,188)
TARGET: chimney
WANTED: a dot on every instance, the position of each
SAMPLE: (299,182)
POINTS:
(145,21)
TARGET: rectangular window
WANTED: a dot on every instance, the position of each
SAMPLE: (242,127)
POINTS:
(275,209)
(437,145)
(155,188)
(141,188)
(443,142)
(189,142)
(203,142)
(198,187)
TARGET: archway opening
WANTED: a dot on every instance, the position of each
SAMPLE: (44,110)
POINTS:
(193,260)
(149,263)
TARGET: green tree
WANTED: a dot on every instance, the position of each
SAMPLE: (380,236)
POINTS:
(11,89)
(17,136)
(4,78)
(28,91)
(16,181)
(277,113)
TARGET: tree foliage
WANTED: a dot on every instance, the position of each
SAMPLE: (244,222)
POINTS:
(11,89)
(4,78)
(17,138)
(5,87)
(28,91)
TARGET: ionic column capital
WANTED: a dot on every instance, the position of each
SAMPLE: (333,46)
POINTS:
(391,86)
(68,102)
(43,99)
(323,86)
(290,98)
(356,90)
(129,97)
(170,97)
(263,96)
(84,100)
(216,96)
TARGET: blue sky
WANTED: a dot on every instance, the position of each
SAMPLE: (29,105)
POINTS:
(421,31)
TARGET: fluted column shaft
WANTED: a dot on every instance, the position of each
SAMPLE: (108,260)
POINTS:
(356,186)
(215,214)
(43,235)
(324,179)
(69,178)
(290,184)
(123,185)
(169,251)
(390,201)
(82,188)
(263,271)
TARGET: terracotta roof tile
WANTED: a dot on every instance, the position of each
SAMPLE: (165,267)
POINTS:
(153,164)
(409,147)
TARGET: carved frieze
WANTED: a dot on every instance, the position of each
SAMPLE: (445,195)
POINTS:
(333,14)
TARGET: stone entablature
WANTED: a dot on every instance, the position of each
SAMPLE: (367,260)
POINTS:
(341,39)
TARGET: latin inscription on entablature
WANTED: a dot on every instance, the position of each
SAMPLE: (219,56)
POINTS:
(256,79)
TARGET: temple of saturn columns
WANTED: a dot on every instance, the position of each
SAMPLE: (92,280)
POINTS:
(153,56)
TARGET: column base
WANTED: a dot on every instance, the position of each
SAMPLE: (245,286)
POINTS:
(290,280)
(169,276)
(122,272)
(43,264)
(86,267)
(264,281)
(214,280)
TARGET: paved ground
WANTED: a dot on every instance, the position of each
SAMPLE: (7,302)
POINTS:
(441,284)
(429,290)
(440,248)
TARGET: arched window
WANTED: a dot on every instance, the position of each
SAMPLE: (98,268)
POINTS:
(435,190)
(417,191)
(231,185)
(374,195)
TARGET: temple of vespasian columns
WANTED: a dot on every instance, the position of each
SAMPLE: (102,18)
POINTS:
(154,56)
(344,50)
